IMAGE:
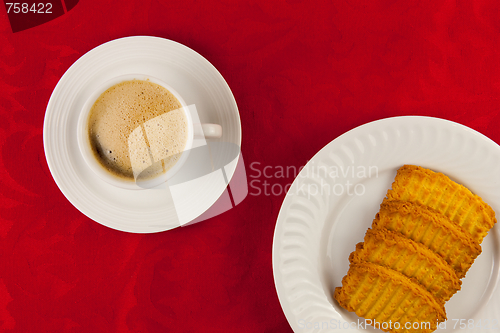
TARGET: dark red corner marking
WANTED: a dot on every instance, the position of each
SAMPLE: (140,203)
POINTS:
(70,4)
(28,14)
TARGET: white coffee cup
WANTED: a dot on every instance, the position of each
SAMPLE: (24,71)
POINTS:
(209,131)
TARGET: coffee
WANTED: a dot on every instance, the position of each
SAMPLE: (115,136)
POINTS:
(135,127)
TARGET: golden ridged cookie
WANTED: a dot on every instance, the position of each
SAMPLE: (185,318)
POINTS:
(437,191)
(414,260)
(434,230)
(385,296)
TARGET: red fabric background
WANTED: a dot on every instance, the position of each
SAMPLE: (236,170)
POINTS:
(302,74)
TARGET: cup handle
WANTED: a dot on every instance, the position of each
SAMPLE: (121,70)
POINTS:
(210,131)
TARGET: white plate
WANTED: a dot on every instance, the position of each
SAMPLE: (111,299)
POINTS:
(316,231)
(191,75)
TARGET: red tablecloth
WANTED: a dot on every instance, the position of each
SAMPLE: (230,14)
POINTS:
(302,74)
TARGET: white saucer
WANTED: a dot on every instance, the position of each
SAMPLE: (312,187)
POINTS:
(316,230)
(192,76)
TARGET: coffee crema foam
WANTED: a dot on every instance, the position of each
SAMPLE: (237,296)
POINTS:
(137,129)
